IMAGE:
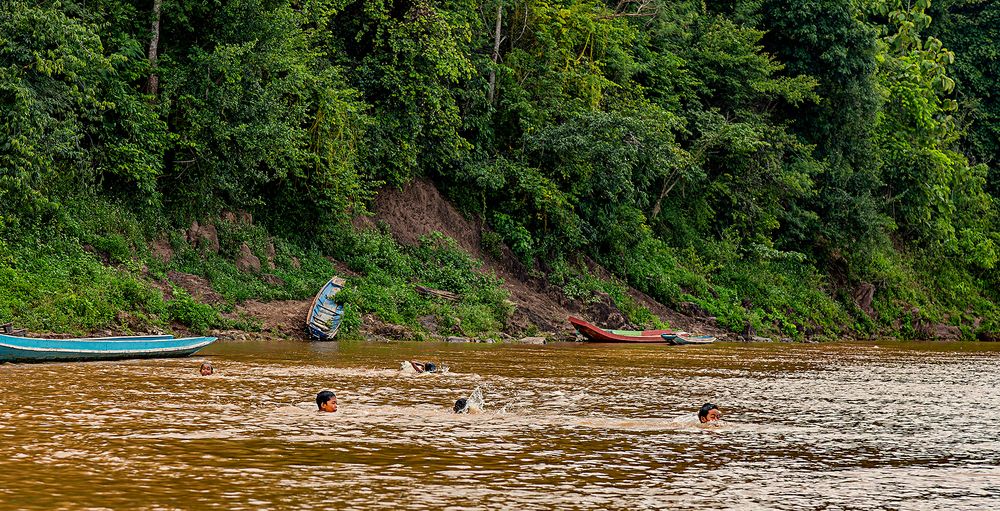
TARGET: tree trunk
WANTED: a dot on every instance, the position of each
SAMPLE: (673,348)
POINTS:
(668,184)
(496,52)
(154,81)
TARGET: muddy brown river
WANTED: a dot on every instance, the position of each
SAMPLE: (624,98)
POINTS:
(565,426)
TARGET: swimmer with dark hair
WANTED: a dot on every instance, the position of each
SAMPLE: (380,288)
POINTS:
(475,403)
(709,413)
(409,366)
(206,369)
(326,401)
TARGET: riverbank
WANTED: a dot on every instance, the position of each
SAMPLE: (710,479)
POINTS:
(100,269)
(731,168)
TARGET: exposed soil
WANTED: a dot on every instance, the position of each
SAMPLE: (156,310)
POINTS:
(282,318)
(285,318)
(161,250)
(198,287)
(419,209)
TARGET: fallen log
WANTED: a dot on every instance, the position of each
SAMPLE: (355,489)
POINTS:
(8,328)
(436,293)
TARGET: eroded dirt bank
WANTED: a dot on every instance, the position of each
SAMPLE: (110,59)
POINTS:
(417,210)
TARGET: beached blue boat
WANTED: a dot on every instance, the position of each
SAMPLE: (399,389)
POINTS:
(325,315)
(28,349)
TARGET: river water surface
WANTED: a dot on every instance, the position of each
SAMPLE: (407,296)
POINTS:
(566,426)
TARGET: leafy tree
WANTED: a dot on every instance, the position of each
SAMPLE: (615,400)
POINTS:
(407,57)
(260,114)
(934,194)
(831,41)
(69,118)
(727,153)
(971,28)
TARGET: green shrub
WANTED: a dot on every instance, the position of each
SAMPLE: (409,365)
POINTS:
(389,271)
(55,286)
(186,310)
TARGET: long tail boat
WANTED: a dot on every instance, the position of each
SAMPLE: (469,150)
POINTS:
(594,333)
(325,315)
(682,338)
(29,349)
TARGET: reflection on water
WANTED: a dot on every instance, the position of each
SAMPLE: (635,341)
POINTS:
(862,426)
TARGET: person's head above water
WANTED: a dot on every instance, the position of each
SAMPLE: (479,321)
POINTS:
(326,401)
(206,369)
(709,412)
(461,405)
(421,367)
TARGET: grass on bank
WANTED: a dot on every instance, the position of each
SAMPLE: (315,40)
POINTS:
(90,269)
(53,283)
(777,294)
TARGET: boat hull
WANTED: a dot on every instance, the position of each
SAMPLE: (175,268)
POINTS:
(27,349)
(684,338)
(325,315)
(694,339)
(592,333)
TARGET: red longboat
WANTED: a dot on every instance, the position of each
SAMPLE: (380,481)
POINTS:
(593,333)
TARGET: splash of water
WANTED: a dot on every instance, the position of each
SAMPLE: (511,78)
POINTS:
(476,402)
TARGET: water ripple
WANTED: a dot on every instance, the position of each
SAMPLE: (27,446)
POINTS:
(840,426)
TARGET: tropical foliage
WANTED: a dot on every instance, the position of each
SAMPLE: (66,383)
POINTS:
(762,159)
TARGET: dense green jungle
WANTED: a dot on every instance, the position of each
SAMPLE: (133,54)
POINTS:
(797,169)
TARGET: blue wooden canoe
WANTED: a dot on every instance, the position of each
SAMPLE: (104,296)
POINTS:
(325,315)
(29,349)
(671,339)
(682,338)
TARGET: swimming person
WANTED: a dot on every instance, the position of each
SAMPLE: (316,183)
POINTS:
(206,369)
(709,413)
(326,401)
(421,367)
(472,404)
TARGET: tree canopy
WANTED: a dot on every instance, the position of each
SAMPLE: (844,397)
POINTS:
(852,141)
